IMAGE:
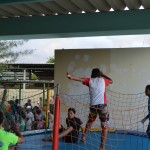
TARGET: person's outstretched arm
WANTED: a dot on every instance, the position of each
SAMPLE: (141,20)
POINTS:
(74,78)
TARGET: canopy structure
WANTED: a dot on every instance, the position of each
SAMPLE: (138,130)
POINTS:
(20,19)
(44,71)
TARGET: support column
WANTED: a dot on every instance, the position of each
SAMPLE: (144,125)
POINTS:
(47,105)
(24,78)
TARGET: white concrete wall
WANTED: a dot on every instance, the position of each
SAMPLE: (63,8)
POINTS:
(129,70)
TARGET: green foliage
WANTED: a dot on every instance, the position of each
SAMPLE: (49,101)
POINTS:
(51,59)
(33,77)
(8,54)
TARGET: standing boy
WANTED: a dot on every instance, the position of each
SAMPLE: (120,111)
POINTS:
(98,102)
(147,93)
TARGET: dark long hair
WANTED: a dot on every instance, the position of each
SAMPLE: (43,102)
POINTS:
(95,73)
(146,89)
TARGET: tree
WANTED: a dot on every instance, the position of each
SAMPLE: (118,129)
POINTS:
(33,77)
(51,59)
(8,55)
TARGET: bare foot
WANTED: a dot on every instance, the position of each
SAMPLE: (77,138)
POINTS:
(102,147)
(83,139)
(47,139)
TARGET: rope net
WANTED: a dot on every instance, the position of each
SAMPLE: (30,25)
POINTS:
(125,114)
(126,132)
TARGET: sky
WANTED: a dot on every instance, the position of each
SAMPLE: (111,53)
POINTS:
(45,48)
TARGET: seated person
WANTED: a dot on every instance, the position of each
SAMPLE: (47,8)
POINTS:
(71,134)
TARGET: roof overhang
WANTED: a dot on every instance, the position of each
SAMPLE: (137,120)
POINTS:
(10,2)
(76,24)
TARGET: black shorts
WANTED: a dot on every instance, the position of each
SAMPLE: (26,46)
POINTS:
(71,137)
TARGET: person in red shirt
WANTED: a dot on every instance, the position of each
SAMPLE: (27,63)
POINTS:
(98,102)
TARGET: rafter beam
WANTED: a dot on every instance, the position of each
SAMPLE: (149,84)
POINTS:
(77,25)
(7,2)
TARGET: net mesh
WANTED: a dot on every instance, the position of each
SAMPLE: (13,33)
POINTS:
(126,112)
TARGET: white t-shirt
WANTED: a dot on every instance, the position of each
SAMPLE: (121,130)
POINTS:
(30,119)
(97,88)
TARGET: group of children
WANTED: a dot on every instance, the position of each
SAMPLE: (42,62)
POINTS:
(25,118)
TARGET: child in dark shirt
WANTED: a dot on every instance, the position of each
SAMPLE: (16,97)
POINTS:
(71,134)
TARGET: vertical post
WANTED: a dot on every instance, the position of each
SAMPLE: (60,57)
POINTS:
(56,121)
(43,94)
(24,78)
(20,92)
(3,98)
(47,105)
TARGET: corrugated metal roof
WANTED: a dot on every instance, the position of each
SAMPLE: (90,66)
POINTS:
(60,7)
(41,66)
